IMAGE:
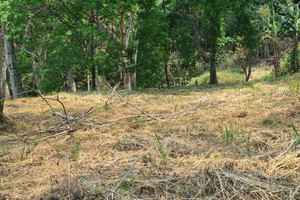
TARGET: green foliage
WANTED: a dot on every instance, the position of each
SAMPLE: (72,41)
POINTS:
(160,147)
(74,152)
(297,135)
(227,133)
(285,64)
(125,184)
(153,37)
(291,17)
(84,36)
(294,85)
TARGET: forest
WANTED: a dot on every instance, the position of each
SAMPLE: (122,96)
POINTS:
(149,99)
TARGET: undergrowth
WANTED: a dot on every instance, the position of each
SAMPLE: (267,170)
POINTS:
(224,77)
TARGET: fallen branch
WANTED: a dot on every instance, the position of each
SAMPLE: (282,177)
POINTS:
(62,115)
(66,115)
(121,118)
(16,95)
(53,111)
(142,111)
(51,136)
(125,176)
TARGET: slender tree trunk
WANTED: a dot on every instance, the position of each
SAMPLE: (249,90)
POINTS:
(247,71)
(249,74)
(195,28)
(127,82)
(213,60)
(95,73)
(277,60)
(266,50)
(295,54)
(3,69)
(178,72)
(11,60)
(133,74)
(215,25)
(3,81)
(4,92)
(71,81)
(133,81)
(125,33)
(93,78)
(2,95)
(2,117)
(97,78)
(88,79)
(167,76)
(35,70)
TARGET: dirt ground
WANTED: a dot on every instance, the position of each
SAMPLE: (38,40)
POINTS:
(237,141)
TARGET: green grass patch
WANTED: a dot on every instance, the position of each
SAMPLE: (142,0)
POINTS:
(224,77)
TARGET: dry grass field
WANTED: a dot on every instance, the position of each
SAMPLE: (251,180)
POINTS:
(239,141)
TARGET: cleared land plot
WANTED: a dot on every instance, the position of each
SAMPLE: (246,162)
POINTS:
(226,142)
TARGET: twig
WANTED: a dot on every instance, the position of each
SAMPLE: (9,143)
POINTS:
(138,108)
(84,114)
(125,176)
(16,95)
(66,115)
(51,136)
(62,116)
(107,100)
(53,111)
(292,197)
(121,118)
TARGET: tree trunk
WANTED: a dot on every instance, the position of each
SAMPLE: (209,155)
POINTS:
(133,74)
(133,81)
(11,60)
(266,51)
(247,71)
(95,73)
(195,28)
(1,77)
(70,81)
(167,76)
(216,27)
(3,81)
(295,54)
(178,72)
(277,60)
(213,60)
(35,71)
(94,70)
(88,79)
(3,69)
(2,117)
(125,35)
(4,92)
(97,78)
(92,55)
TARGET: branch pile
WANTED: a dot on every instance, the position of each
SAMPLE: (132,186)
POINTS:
(66,124)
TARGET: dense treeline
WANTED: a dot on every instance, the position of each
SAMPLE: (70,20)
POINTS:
(55,45)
